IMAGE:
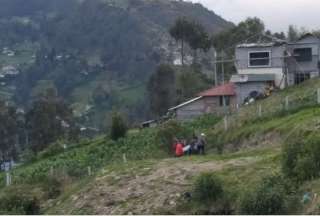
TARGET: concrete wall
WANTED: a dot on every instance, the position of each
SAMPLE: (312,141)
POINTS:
(276,67)
(204,105)
(310,67)
(244,89)
(277,53)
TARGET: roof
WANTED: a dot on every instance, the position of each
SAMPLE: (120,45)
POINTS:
(185,103)
(254,45)
(222,90)
(243,78)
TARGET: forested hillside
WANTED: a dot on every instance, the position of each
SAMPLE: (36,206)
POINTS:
(98,54)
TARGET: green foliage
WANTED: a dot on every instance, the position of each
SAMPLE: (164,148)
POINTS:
(162,90)
(191,32)
(119,127)
(190,82)
(208,188)
(301,156)
(19,201)
(272,196)
(206,121)
(53,149)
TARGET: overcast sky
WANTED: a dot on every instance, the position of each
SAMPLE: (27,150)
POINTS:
(277,14)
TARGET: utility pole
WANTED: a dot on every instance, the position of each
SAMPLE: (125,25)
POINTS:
(216,82)
(222,66)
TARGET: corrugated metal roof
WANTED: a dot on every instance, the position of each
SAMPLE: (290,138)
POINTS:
(222,90)
(185,103)
(253,45)
(242,78)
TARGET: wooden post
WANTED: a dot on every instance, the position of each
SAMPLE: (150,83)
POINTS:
(318,93)
(124,157)
(287,103)
(260,110)
(8,179)
(225,123)
(89,171)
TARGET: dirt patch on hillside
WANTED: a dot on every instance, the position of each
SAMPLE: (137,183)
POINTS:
(152,190)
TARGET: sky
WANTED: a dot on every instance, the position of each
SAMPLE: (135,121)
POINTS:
(276,14)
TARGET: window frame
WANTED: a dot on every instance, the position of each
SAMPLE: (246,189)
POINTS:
(226,99)
(259,66)
(303,48)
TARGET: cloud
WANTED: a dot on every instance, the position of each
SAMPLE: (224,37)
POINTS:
(277,14)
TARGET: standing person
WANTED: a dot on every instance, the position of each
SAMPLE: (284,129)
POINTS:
(194,145)
(179,149)
(202,143)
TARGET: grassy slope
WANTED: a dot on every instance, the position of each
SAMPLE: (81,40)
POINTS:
(240,170)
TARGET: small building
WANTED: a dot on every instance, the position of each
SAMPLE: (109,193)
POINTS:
(249,86)
(149,124)
(218,100)
(262,58)
(290,63)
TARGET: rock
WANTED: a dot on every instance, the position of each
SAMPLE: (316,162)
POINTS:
(178,195)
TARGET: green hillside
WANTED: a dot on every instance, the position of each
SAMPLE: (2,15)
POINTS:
(138,175)
(81,46)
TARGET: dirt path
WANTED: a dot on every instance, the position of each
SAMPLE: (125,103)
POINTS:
(148,191)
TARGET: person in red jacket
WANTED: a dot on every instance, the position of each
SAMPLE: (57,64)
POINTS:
(179,149)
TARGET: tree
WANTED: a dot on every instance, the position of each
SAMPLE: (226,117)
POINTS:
(189,83)
(48,120)
(293,33)
(8,133)
(249,31)
(119,127)
(162,90)
(198,38)
(180,31)
(192,33)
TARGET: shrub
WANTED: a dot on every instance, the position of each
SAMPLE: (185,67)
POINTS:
(208,188)
(53,149)
(19,201)
(272,196)
(119,127)
(301,157)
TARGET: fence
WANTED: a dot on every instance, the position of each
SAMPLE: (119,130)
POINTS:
(62,173)
(280,104)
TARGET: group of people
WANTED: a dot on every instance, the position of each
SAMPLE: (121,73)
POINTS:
(195,146)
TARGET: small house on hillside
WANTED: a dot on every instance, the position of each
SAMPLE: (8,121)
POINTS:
(218,100)
(262,58)
(290,63)
(252,86)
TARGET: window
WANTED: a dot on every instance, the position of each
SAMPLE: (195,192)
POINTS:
(303,54)
(301,77)
(224,101)
(259,59)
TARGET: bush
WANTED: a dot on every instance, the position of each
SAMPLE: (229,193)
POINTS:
(53,149)
(119,127)
(272,196)
(19,201)
(208,188)
(301,157)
